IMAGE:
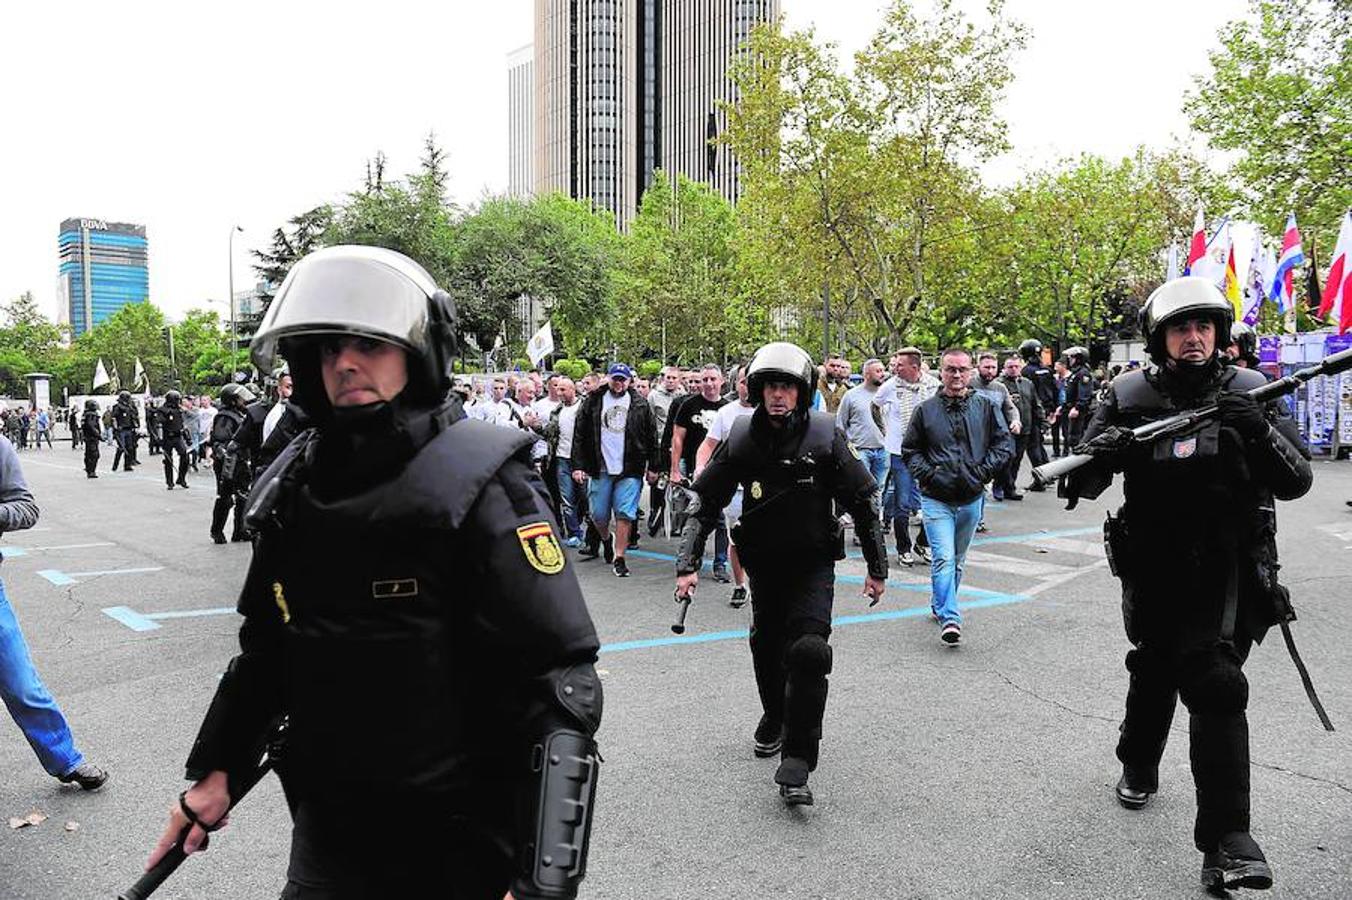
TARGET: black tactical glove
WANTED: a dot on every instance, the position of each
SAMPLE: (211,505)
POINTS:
(1242,413)
(1113,439)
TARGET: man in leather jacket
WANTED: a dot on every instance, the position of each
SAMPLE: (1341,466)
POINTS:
(1194,546)
(411,614)
(793,464)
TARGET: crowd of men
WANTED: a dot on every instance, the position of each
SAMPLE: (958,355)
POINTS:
(389,479)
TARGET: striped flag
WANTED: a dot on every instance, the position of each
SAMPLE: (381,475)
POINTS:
(1197,249)
(1337,301)
(1282,288)
(1232,289)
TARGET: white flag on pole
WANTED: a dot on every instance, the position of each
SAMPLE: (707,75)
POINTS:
(138,378)
(100,375)
(541,345)
(1172,271)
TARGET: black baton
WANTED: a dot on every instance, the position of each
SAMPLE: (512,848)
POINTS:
(678,626)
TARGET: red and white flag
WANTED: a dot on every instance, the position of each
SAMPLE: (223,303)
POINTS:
(1337,300)
(1197,249)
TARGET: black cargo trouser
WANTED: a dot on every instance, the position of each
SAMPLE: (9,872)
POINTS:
(1181,655)
(790,623)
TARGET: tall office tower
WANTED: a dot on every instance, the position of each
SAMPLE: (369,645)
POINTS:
(697,47)
(102,268)
(521,122)
(624,87)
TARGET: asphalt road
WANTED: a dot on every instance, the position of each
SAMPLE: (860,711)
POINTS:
(984,771)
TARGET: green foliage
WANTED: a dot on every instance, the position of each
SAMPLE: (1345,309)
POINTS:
(573,368)
(1279,97)
(649,368)
(136,331)
(216,365)
(300,235)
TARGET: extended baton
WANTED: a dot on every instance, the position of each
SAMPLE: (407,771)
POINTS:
(151,880)
(678,627)
(1331,365)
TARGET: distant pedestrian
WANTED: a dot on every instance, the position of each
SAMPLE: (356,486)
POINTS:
(43,420)
(33,709)
(956,442)
(91,427)
(898,397)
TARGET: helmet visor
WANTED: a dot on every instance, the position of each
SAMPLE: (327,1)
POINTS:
(359,296)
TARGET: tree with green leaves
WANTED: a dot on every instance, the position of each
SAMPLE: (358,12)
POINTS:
(864,184)
(300,235)
(135,331)
(1279,97)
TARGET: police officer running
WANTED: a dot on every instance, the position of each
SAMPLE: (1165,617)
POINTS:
(410,611)
(173,439)
(792,464)
(231,482)
(1194,546)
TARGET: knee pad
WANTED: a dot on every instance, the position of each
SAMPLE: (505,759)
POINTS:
(810,655)
(1214,686)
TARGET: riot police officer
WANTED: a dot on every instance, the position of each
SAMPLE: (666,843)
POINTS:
(230,490)
(266,430)
(411,612)
(1242,349)
(1079,393)
(1194,546)
(91,429)
(173,438)
(1044,388)
(126,433)
(792,464)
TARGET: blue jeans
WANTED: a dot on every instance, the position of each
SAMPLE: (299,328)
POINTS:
(876,461)
(28,701)
(572,498)
(950,527)
(905,492)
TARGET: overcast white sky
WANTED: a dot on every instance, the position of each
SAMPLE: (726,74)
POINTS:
(190,119)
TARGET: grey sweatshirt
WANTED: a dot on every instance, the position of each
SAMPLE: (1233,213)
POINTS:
(17,509)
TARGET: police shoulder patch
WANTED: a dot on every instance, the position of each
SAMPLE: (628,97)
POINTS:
(541,547)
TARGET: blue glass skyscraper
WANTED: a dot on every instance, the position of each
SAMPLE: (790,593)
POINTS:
(103,267)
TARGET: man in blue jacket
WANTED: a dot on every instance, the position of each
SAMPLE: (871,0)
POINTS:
(956,442)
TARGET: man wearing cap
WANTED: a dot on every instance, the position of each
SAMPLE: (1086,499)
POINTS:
(614,445)
(410,613)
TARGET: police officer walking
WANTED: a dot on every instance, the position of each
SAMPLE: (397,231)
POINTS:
(1045,390)
(126,422)
(793,464)
(410,611)
(1194,546)
(173,438)
(231,491)
(1079,394)
(90,428)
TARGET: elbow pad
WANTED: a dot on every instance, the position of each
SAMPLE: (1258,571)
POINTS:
(561,789)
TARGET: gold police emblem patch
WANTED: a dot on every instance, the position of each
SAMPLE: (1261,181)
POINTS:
(541,547)
(756,491)
(279,597)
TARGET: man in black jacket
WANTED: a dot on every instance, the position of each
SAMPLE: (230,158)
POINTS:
(956,442)
(615,446)
(1023,393)
(91,429)
(409,610)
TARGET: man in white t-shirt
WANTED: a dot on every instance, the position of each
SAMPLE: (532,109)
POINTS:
(718,432)
(559,431)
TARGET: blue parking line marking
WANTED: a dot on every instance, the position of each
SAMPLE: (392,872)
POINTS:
(9,551)
(1013,538)
(130,617)
(56,577)
(116,571)
(193,613)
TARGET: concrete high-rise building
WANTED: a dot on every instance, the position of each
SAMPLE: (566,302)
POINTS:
(102,267)
(521,122)
(625,87)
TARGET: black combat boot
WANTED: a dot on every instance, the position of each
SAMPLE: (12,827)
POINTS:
(1136,786)
(1236,862)
(769,737)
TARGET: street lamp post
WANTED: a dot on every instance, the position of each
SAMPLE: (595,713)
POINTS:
(234,327)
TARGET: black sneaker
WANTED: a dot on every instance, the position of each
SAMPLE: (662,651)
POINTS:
(981,528)
(218,537)
(769,737)
(1236,863)
(87,775)
(906,559)
(721,575)
(621,567)
(633,541)
(589,551)
(791,776)
(922,553)
(608,549)
(182,484)
(738,598)
(951,634)
(1131,790)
